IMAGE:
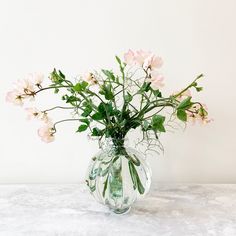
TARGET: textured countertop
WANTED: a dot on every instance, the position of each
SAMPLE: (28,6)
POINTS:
(69,210)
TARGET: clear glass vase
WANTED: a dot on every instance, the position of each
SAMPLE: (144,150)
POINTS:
(118,175)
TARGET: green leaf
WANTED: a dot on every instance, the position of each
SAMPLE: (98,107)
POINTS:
(118,60)
(135,178)
(88,109)
(61,75)
(202,112)
(56,90)
(182,115)
(128,98)
(157,93)
(132,175)
(97,116)
(105,187)
(199,89)
(109,74)
(81,86)
(55,77)
(157,123)
(82,128)
(86,121)
(97,132)
(106,90)
(145,125)
(185,104)
(145,87)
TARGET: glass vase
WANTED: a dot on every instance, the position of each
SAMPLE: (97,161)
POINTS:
(118,175)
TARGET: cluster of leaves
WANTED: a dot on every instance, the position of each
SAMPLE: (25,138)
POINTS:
(104,117)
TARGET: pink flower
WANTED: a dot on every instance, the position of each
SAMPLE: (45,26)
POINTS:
(152,62)
(90,78)
(129,58)
(198,113)
(141,56)
(46,133)
(44,117)
(26,86)
(36,79)
(156,80)
(15,97)
(33,113)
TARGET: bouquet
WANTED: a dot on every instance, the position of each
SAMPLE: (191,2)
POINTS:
(108,105)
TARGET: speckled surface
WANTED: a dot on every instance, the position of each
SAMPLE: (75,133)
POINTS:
(69,210)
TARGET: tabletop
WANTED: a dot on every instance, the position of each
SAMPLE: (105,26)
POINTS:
(69,210)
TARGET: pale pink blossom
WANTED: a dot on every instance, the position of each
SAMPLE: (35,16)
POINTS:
(90,78)
(141,56)
(156,80)
(152,62)
(129,58)
(36,79)
(26,87)
(46,133)
(198,113)
(15,97)
(44,117)
(33,112)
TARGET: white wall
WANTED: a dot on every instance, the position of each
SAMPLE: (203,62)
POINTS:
(192,36)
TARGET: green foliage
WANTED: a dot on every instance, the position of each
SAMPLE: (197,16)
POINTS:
(87,110)
(185,104)
(128,97)
(145,87)
(112,105)
(86,121)
(158,123)
(57,77)
(109,74)
(182,115)
(146,125)
(98,116)
(82,128)
(80,87)
(135,178)
(71,99)
(106,90)
(97,132)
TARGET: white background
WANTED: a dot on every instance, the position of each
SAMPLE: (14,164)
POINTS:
(192,36)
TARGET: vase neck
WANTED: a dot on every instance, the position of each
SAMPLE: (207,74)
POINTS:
(114,143)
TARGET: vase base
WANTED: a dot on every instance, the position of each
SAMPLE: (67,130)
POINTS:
(121,211)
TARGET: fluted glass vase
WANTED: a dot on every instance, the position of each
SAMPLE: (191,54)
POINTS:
(118,175)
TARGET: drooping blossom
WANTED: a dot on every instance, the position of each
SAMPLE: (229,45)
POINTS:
(90,78)
(152,62)
(45,118)
(46,133)
(15,97)
(141,56)
(198,113)
(129,58)
(156,80)
(33,112)
(36,79)
(25,86)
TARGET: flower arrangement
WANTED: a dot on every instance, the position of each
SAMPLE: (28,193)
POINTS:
(109,105)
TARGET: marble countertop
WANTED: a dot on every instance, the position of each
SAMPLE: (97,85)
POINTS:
(69,210)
